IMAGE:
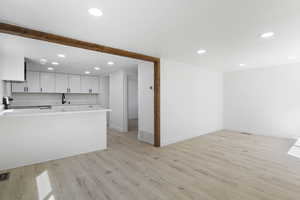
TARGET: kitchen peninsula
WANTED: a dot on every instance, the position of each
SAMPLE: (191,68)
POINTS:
(33,135)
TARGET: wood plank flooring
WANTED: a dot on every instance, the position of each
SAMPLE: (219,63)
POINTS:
(218,166)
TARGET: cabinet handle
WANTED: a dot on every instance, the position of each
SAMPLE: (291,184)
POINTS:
(24,89)
(69,89)
(27,89)
(41,89)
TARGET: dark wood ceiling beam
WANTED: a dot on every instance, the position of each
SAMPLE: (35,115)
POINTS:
(39,35)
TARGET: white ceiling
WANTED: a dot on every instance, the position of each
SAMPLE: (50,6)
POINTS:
(174,29)
(77,60)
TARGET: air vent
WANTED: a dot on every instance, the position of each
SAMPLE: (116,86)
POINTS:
(4,176)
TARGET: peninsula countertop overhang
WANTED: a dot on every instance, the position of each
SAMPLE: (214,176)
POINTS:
(56,110)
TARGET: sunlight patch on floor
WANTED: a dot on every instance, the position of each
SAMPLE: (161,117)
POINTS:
(44,186)
(295,149)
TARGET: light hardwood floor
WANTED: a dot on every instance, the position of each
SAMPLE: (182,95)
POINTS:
(222,165)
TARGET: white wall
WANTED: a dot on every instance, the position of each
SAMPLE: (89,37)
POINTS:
(118,100)
(146,102)
(103,97)
(263,101)
(132,96)
(11,66)
(191,101)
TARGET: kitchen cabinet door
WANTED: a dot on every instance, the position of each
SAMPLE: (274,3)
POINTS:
(74,84)
(85,84)
(89,84)
(94,84)
(18,87)
(47,82)
(33,81)
(61,83)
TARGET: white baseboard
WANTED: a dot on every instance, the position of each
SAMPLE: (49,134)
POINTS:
(146,137)
(115,127)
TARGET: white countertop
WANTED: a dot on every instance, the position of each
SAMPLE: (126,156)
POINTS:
(55,110)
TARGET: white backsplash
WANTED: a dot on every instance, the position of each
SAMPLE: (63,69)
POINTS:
(30,99)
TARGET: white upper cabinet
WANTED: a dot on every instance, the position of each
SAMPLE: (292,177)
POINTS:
(47,82)
(85,84)
(12,66)
(67,83)
(32,83)
(43,82)
(94,84)
(19,87)
(89,84)
(61,83)
(74,84)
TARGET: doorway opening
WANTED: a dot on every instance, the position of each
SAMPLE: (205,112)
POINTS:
(38,35)
(131,100)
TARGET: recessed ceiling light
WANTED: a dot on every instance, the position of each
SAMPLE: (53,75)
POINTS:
(61,55)
(242,64)
(50,68)
(110,63)
(201,51)
(87,72)
(267,35)
(43,61)
(95,12)
(55,63)
(292,57)
(97,68)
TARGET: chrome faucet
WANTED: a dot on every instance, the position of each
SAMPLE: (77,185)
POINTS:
(6,102)
(63,98)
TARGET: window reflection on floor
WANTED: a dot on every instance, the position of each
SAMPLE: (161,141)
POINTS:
(51,198)
(295,150)
(44,187)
